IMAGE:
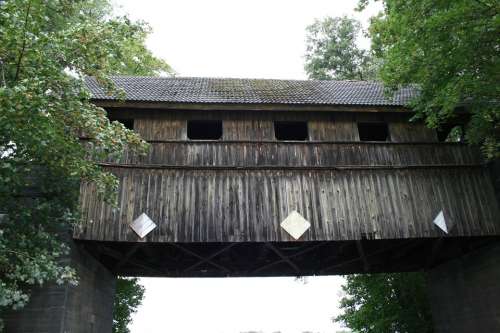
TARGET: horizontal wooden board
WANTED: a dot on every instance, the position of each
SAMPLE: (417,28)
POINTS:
(248,205)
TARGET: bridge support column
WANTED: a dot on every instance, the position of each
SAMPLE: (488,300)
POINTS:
(86,308)
(465,293)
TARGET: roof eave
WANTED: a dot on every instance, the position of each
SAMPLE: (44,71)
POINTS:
(108,103)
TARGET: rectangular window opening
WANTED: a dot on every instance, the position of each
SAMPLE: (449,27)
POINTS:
(204,129)
(376,131)
(291,130)
(128,123)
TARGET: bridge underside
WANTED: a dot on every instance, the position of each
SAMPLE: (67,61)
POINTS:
(249,259)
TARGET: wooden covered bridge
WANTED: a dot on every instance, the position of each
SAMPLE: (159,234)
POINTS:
(288,178)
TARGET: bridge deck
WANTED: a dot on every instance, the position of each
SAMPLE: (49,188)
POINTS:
(249,259)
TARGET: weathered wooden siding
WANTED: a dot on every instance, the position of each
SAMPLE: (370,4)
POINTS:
(247,129)
(161,127)
(240,188)
(208,205)
(341,127)
(323,126)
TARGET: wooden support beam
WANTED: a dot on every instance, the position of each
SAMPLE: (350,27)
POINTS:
(436,247)
(271,264)
(117,255)
(290,167)
(412,245)
(194,254)
(283,257)
(210,257)
(295,255)
(127,256)
(338,252)
(372,254)
(306,250)
(361,252)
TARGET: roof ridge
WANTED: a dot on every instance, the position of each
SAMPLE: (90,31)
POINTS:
(236,78)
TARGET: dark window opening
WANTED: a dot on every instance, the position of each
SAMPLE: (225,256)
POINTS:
(128,123)
(291,130)
(450,133)
(204,129)
(373,131)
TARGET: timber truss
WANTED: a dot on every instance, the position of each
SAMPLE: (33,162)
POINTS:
(279,258)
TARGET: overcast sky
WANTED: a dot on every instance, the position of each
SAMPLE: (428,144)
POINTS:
(242,39)
(229,38)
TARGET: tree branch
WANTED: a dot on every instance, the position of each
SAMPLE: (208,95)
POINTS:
(21,54)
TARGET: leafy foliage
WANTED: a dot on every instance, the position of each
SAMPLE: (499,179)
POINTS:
(46,47)
(385,303)
(333,52)
(129,295)
(450,49)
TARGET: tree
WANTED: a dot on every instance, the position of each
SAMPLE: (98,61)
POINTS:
(129,295)
(450,50)
(46,48)
(385,303)
(332,51)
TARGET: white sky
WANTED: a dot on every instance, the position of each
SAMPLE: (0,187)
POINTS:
(243,39)
(234,305)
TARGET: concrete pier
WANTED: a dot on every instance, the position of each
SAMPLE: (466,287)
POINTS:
(86,308)
(465,293)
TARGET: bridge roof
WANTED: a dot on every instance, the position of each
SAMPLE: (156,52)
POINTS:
(252,91)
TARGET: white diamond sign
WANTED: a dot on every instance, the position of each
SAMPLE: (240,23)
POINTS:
(441,222)
(142,225)
(295,224)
